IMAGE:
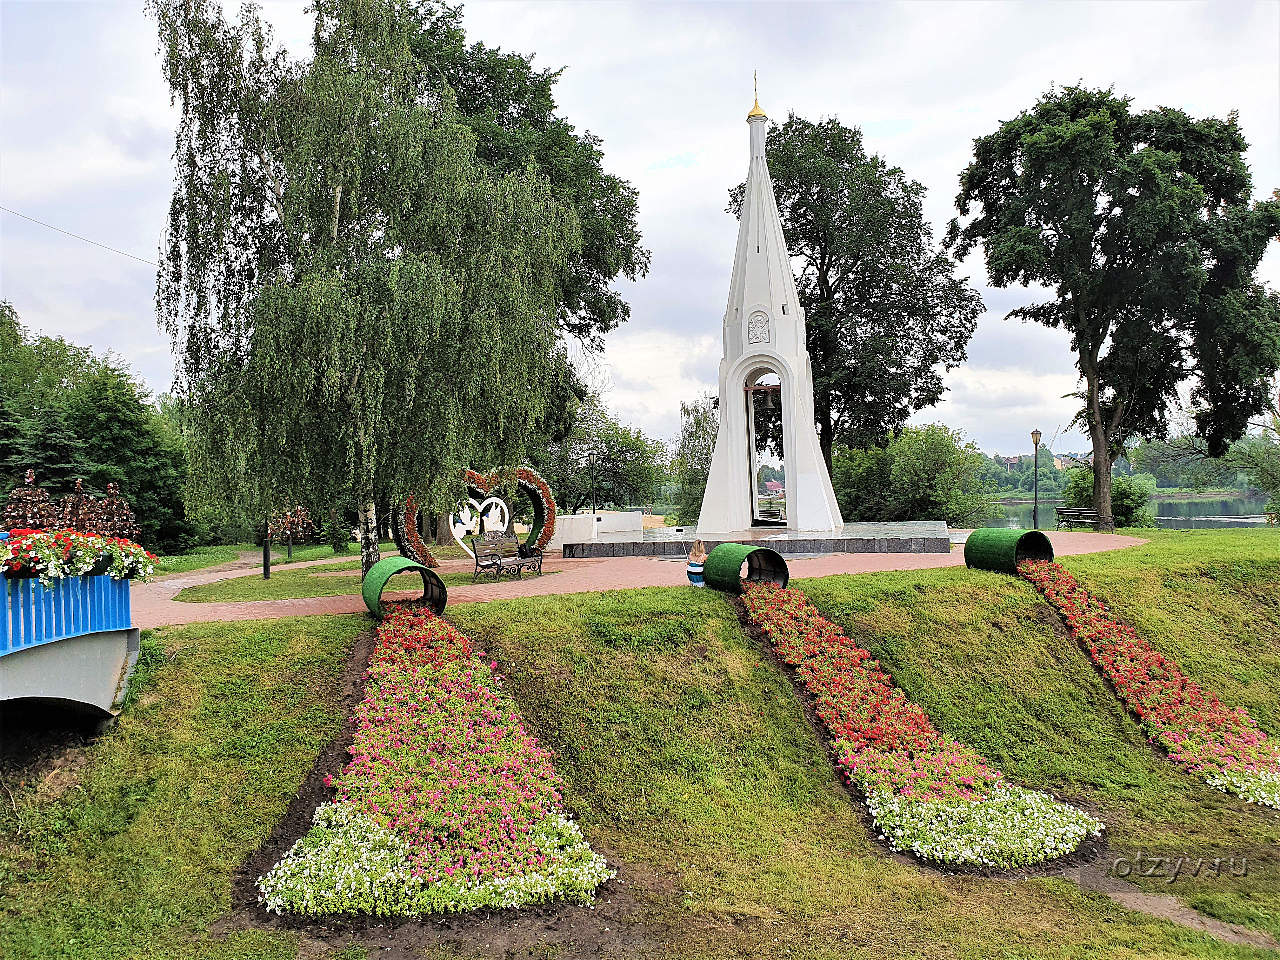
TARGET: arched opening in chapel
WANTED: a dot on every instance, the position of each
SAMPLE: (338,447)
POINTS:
(766,456)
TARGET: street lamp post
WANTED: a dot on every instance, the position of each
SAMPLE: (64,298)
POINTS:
(1035,480)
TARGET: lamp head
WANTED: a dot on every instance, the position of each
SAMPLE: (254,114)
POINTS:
(1035,437)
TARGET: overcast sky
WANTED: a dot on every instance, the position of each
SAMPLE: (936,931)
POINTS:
(86,133)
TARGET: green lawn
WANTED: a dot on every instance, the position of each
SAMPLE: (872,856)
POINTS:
(202,557)
(309,582)
(688,759)
(135,859)
(979,653)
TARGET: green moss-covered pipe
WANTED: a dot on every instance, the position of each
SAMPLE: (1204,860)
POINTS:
(723,567)
(434,593)
(1002,549)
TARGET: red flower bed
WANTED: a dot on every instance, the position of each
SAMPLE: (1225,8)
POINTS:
(867,716)
(1194,726)
(448,802)
(926,792)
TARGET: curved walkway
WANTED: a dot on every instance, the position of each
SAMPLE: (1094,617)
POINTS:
(154,604)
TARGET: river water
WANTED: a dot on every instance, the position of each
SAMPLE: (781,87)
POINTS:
(1238,511)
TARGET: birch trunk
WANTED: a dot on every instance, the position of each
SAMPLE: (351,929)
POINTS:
(368,536)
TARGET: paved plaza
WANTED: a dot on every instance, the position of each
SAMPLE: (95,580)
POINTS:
(154,604)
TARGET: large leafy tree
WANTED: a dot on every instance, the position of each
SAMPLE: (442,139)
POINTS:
(699,424)
(601,461)
(360,305)
(1142,225)
(510,107)
(885,312)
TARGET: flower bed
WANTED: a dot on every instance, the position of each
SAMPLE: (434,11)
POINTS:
(1223,744)
(447,804)
(926,792)
(56,554)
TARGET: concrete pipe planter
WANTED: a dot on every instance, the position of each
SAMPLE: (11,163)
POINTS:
(1001,550)
(723,569)
(434,594)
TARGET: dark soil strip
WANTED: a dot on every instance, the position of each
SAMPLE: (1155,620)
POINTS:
(314,791)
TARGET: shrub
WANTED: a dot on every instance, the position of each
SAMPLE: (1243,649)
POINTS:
(1130,496)
(925,473)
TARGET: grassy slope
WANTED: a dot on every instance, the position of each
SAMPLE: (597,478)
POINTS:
(135,859)
(308,582)
(685,754)
(687,757)
(978,652)
(1211,600)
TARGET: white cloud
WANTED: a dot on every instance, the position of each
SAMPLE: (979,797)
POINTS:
(650,373)
(666,86)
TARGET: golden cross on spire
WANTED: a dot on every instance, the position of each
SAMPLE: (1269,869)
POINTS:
(756,111)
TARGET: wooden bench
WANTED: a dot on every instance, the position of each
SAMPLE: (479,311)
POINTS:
(499,553)
(1078,517)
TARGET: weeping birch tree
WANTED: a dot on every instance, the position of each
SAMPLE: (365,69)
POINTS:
(359,306)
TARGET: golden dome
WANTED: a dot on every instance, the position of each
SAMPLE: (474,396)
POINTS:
(756,111)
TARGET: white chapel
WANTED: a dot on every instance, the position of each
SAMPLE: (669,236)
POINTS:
(765,364)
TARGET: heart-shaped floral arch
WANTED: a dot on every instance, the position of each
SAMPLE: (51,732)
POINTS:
(480,487)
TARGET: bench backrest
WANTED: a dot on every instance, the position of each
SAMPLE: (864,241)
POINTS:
(1077,512)
(496,545)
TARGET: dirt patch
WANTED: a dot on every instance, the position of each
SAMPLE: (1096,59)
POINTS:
(42,745)
(611,927)
(1166,906)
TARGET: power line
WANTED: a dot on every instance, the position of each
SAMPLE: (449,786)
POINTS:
(50,226)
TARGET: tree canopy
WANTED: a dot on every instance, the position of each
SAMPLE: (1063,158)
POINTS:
(70,414)
(699,425)
(510,108)
(601,461)
(1142,225)
(924,473)
(885,312)
(361,304)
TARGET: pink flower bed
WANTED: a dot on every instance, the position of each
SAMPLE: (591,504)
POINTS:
(1195,727)
(409,773)
(926,792)
(448,802)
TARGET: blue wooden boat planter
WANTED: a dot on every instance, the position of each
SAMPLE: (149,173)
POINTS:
(72,641)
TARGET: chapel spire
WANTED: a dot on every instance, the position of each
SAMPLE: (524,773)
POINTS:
(756,111)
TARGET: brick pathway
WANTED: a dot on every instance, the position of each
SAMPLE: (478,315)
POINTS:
(154,604)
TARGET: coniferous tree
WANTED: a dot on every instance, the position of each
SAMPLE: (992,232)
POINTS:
(51,448)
